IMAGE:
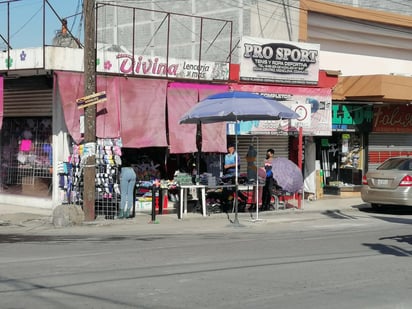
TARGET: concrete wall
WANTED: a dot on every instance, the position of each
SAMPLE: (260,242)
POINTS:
(349,64)
(267,19)
(349,46)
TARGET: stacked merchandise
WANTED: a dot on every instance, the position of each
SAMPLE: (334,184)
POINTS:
(183,179)
(144,196)
(108,161)
(208,180)
(65,172)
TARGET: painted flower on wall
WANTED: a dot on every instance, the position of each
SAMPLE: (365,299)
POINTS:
(8,62)
(107,65)
(23,55)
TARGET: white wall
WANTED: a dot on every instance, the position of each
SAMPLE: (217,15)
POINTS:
(350,64)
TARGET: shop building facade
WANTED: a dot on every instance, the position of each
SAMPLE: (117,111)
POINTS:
(160,65)
(388,98)
(370,48)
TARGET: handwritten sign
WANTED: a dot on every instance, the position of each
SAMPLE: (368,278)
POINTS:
(392,118)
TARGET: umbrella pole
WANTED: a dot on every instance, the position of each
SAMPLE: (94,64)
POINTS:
(301,193)
(257,181)
(199,150)
(236,220)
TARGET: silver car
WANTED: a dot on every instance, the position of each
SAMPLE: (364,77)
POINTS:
(389,184)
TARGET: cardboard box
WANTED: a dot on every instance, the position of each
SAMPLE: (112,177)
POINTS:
(146,204)
(143,205)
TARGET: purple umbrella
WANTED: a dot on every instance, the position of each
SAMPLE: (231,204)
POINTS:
(287,174)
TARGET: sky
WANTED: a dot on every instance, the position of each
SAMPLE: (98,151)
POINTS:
(26,21)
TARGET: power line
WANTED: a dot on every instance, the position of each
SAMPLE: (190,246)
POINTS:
(26,23)
(9,1)
(372,24)
(275,13)
(265,12)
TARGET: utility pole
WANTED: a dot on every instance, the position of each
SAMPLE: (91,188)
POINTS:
(89,111)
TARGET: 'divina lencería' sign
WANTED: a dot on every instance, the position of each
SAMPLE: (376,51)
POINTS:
(279,62)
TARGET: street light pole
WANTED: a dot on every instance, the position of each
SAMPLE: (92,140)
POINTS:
(89,111)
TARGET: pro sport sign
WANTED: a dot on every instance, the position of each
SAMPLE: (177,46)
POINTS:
(266,60)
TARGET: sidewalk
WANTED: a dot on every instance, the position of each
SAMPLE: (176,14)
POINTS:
(26,218)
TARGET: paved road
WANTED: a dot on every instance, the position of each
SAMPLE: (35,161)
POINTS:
(332,259)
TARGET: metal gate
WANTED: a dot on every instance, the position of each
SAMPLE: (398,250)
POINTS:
(28,97)
(385,145)
(261,143)
(26,136)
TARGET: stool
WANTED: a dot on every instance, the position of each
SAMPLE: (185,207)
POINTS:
(276,194)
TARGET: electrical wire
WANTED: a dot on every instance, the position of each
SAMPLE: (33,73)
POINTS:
(27,22)
(21,3)
(210,43)
(377,15)
(9,1)
(269,14)
(262,12)
(79,8)
(340,36)
(274,14)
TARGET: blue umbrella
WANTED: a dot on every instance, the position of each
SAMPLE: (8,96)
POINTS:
(236,106)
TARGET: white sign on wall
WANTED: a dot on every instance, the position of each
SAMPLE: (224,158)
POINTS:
(304,112)
(266,60)
(71,59)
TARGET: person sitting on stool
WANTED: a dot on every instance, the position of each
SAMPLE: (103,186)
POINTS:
(231,160)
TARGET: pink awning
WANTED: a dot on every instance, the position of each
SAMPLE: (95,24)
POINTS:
(143,112)
(126,112)
(182,138)
(1,101)
(214,134)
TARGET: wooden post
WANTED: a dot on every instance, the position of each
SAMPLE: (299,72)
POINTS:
(89,111)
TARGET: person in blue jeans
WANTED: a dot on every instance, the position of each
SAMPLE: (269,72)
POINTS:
(269,181)
(127,184)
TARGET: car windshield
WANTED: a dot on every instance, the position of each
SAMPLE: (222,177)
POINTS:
(403,164)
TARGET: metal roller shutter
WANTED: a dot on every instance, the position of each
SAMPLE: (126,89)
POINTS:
(28,97)
(261,143)
(385,145)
